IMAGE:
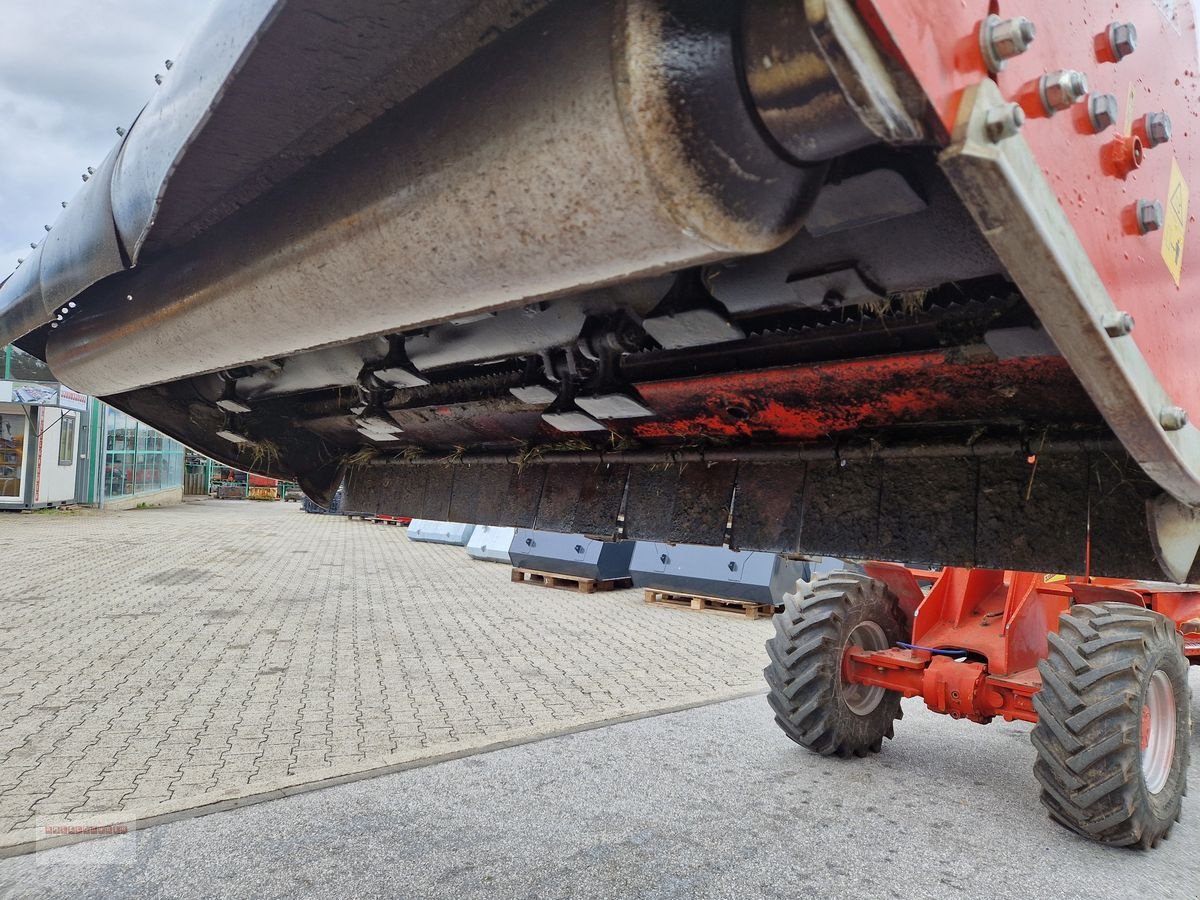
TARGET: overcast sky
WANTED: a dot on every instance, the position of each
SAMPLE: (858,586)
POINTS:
(70,72)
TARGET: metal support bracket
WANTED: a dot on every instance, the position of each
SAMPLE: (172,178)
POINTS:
(1003,187)
(1174,534)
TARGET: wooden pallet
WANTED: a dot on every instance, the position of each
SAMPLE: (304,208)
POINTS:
(374,519)
(568,582)
(746,609)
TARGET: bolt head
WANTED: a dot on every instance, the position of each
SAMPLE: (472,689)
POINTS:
(1149,216)
(1060,90)
(1122,39)
(1173,418)
(1004,121)
(1002,39)
(1157,126)
(1103,111)
(1117,324)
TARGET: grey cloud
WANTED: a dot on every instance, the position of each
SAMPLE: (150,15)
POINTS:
(70,72)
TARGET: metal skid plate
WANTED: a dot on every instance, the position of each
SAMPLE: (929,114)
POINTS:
(716,571)
(570,554)
(426,531)
(490,543)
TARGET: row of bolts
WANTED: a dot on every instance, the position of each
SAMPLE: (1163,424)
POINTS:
(1003,39)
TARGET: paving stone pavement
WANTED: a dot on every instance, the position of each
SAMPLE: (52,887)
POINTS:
(154,661)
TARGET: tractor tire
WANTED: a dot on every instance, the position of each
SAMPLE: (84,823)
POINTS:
(1114,724)
(812,703)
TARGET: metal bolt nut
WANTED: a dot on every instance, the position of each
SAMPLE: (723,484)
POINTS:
(1004,121)
(1060,90)
(1149,216)
(1122,39)
(1156,126)
(1103,111)
(1002,39)
(1117,324)
(1172,418)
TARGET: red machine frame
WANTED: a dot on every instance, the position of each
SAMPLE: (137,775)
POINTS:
(977,634)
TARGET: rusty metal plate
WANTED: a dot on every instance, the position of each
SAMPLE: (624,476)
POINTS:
(501,494)
(560,497)
(584,499)
(768,509)
(841,515)
(1028,517)
(926,511)
(600,498)
(686,504)
(466,490)
(439,483)
(1120,539)
(389,491)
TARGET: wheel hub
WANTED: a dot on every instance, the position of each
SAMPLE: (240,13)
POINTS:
(862,699)
(1158,732)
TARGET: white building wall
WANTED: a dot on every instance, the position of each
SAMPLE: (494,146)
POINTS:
(55,483)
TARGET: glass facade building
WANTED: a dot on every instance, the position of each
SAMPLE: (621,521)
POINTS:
(59,446)
(138,460)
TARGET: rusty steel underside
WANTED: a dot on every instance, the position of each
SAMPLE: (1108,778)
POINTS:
(693,267)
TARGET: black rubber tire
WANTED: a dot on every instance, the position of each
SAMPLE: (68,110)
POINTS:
(1088,735)
(805,670)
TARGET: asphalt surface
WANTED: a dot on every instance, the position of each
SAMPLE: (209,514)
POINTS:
(711,802)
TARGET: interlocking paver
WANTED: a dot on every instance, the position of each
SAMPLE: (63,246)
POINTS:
(178,656)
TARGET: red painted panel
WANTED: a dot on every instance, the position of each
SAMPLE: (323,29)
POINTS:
(815,402)
(938,41)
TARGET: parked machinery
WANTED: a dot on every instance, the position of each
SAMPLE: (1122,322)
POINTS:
(1101,665)
(430,532)
(870,268)
(571,554)
(716,571)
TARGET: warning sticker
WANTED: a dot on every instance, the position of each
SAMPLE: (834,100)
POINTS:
(1049,579)
(1175,226)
